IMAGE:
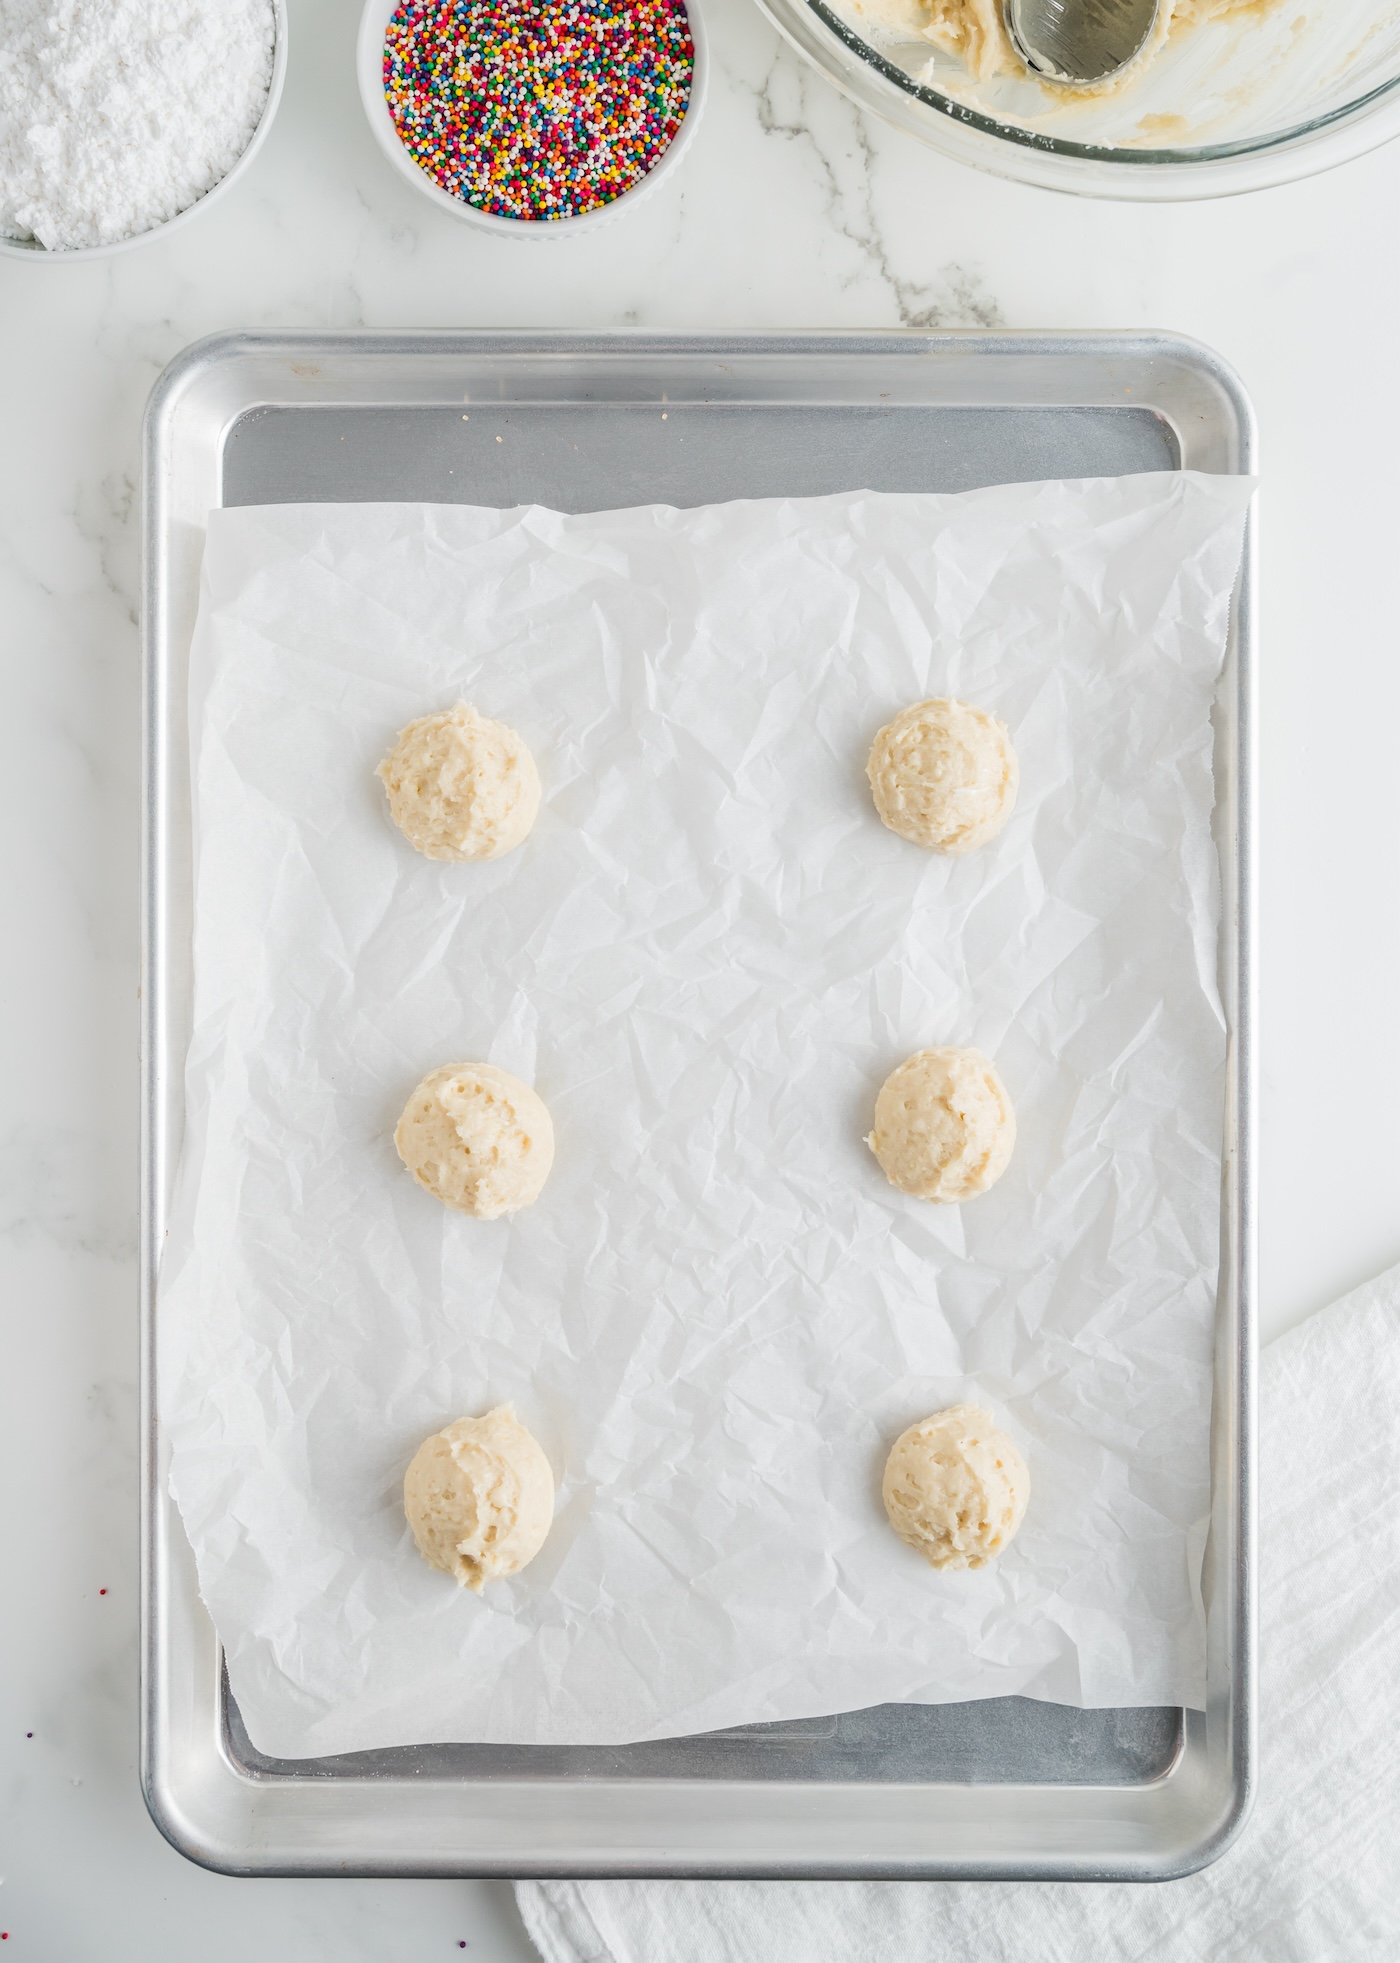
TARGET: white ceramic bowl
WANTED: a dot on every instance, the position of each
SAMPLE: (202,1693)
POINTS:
(32,250)
(1278,93)
(370,67)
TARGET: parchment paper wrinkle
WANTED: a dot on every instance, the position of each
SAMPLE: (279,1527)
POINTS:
(706,957)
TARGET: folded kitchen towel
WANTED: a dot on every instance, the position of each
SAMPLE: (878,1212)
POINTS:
(1314,1877)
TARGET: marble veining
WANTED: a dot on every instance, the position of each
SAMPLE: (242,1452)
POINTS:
(795,106)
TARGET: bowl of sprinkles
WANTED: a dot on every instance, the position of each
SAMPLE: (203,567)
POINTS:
(531,118)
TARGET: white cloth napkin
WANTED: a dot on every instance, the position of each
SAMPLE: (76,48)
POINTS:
(1316,1874)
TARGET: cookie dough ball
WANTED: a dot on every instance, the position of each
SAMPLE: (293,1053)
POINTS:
(956,1488)
(944,1127)
(944,775)
(461,786)
(479,1496)
(477,1138)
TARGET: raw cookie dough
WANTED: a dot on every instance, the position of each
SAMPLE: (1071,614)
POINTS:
(974,31)
(461,786)
(477,1138)
(943,775)
(955,1488)
(944,1126)
(479,1496)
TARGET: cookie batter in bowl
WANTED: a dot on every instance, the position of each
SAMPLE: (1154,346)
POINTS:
(974,32)
(1227,96)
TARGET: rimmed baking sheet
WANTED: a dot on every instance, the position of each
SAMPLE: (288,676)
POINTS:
(863,418)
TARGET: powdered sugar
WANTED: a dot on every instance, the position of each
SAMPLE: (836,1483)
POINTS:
(115,115)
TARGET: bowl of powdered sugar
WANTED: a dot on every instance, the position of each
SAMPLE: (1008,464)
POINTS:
(122,118)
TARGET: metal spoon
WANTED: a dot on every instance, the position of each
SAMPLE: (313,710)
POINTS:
(1079,42)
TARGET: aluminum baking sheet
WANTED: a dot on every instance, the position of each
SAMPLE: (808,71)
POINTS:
(1005,1787)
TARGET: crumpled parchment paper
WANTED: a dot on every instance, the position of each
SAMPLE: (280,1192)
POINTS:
(707,956)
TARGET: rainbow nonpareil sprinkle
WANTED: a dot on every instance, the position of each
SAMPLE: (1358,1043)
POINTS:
(538,111)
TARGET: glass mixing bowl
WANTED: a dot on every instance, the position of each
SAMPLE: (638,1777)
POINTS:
(1242,94)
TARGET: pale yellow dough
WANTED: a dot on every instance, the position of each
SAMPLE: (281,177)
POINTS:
(944,1126)
(461,786)
(477,1138)
(943,775)
(479,1496)
(955,1488)
(974,31)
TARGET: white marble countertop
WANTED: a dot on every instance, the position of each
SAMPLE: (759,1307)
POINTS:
(792,211)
